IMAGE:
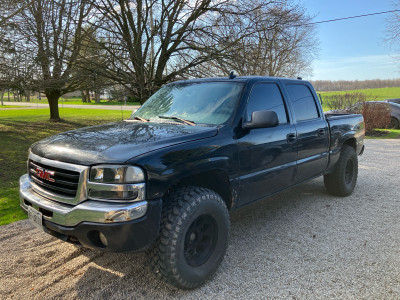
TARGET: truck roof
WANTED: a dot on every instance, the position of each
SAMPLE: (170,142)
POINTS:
(238,79)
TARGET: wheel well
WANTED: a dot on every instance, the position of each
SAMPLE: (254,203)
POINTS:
(215,180)
(351,142)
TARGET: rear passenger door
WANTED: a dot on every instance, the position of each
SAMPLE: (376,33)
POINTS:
(312,132)
(267,157)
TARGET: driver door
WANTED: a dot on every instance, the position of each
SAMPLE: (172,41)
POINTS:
(267,156)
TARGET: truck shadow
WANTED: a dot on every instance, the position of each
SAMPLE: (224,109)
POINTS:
(262,235)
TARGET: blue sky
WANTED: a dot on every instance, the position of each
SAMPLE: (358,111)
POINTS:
(352,49)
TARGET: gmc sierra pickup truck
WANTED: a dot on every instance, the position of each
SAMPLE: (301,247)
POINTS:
(165,179)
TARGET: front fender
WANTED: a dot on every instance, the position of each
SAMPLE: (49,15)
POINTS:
(169,166)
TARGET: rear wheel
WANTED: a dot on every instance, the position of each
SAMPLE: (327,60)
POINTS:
(193,237)
(394,123)
(343,180)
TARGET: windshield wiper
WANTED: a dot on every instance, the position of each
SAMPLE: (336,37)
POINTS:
(178,119)
(140,119)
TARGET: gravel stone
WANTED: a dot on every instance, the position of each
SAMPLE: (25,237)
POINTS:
(300,244)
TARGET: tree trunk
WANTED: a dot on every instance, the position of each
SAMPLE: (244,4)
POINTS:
(97,96)
(88,96)
(14,96)
(8,95)
(2,95)
(83,97)
(52,98)
(18,97)
(28,95)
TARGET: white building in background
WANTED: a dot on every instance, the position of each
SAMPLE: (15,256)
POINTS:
(104,94)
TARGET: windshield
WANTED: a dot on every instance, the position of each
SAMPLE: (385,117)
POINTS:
(204,102)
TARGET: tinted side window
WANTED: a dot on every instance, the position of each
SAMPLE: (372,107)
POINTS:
(303,103)
(267,96)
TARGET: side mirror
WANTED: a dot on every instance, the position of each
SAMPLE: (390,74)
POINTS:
(262,119)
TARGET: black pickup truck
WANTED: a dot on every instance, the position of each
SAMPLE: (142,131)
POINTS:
(166,179)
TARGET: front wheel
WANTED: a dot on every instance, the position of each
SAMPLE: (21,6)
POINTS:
(343,180)
(193,237)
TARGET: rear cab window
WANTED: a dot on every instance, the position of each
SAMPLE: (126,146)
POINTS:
(303,103)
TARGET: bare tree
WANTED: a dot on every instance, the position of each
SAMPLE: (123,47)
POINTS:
(141,45)
(9,9)
(52,30)
(89,66)
(393,27)
(18,70)
(392,37)
(279,44)
(149,43)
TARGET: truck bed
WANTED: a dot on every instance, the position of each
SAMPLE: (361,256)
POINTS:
(341,126)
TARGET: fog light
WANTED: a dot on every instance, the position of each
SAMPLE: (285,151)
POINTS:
(135,211)
(113,195)
(103,239)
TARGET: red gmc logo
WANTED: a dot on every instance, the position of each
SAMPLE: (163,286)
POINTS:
(45,174)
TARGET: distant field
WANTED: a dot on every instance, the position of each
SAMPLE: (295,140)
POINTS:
(372,94)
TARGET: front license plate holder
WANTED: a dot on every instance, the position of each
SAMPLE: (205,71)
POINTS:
(35,217)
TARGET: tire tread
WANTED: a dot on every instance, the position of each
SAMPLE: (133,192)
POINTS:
(334,182)
(176,207)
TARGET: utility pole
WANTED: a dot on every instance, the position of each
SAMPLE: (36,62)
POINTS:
(152,38)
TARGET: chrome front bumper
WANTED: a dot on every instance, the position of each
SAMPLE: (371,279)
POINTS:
(89,211)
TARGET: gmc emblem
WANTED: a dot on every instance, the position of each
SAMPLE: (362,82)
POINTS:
(45,174)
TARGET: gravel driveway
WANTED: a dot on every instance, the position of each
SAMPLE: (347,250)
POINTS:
(301,244)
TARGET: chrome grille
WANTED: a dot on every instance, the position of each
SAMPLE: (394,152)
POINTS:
(64,182)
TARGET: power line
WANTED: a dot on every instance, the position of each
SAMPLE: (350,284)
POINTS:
(320,22)
(352,17)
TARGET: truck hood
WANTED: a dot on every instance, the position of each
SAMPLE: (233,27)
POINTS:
(116,142)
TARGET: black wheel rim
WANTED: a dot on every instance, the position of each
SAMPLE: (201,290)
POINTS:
(200,240)
(348,177)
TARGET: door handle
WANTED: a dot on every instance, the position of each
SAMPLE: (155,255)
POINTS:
(291,137)
(321,132)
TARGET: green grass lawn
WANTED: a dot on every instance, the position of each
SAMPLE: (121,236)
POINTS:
(10,106)
(373,94)
(19,129)
(385,134)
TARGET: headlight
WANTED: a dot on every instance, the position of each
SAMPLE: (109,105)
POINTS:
(116,174)
(116,183)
